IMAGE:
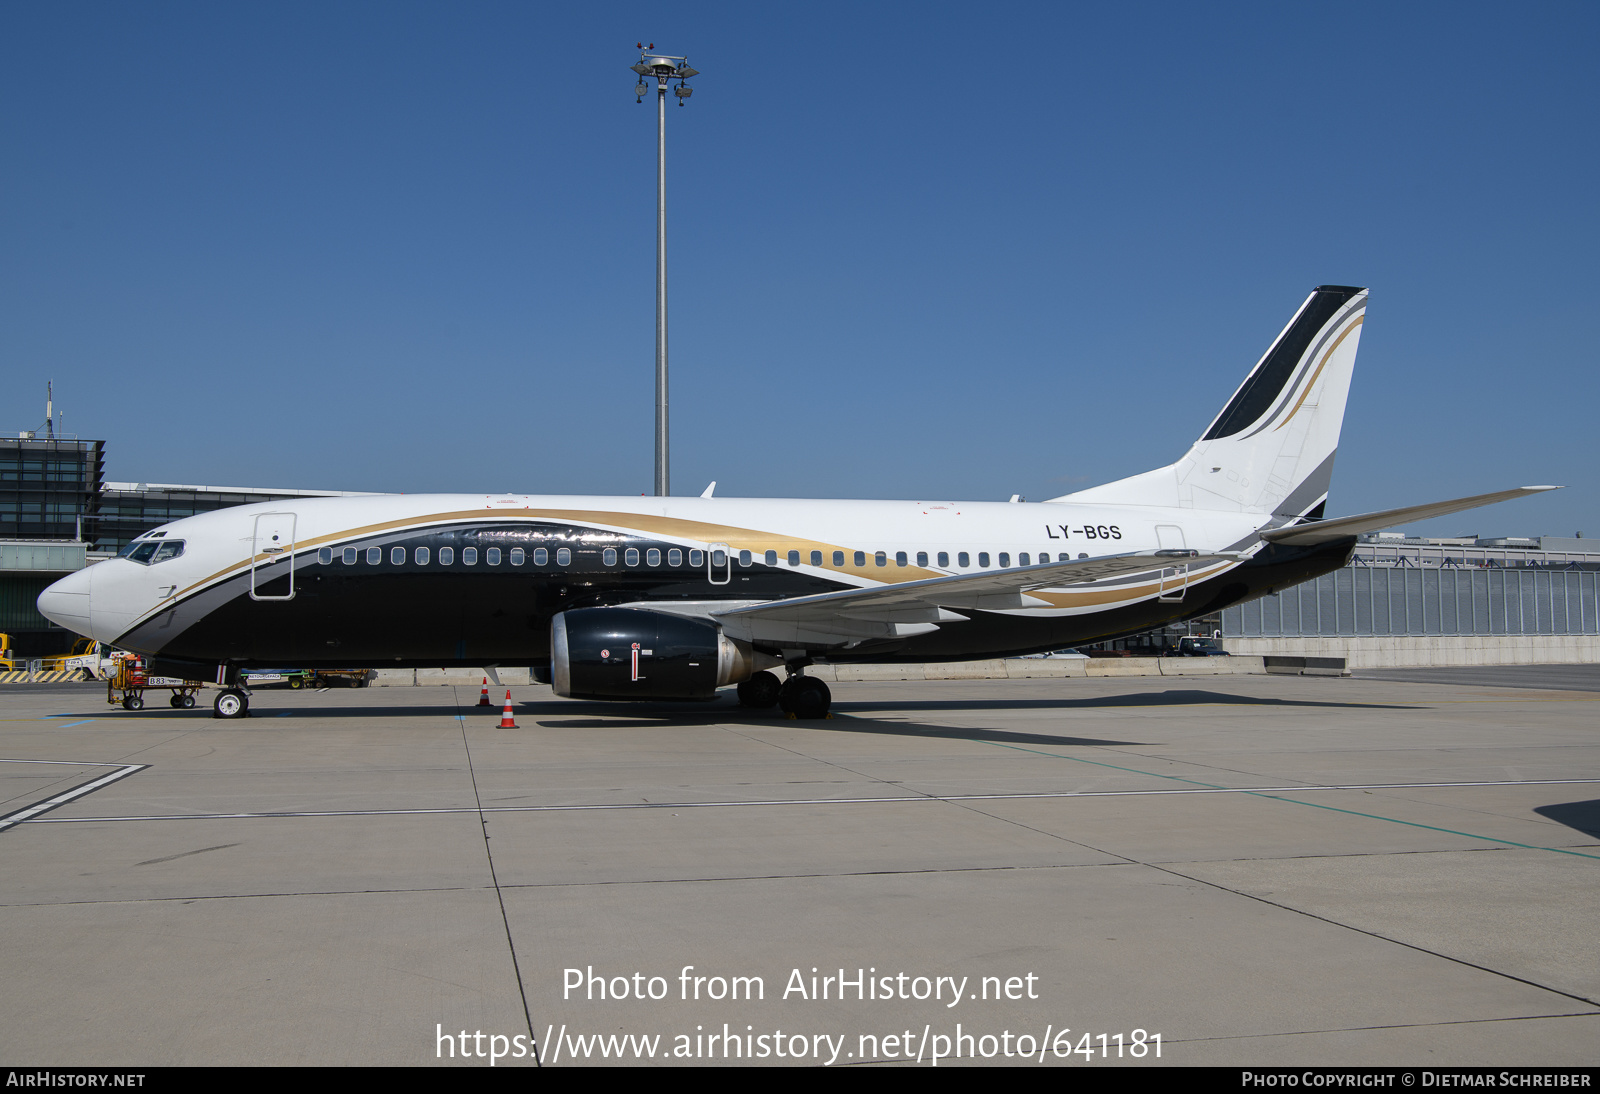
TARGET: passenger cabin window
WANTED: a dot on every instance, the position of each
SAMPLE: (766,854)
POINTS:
(469,556)
(492,556)
(816,558)
(541,557)
(652,557)
(447,556)
(325,556)
(771,558)
(880,558)
(374,555)
(983,559)
(610,556)
(421,554)
(922,558)
(675,557)
(697,557)
(397,555)
(563,557)
(350,556)
(1005,559)
(517,556)
(899,558)
(944,559)
(962,560)
(1022,559)
(861,558)
(838,558)
(632,556)
(744,558)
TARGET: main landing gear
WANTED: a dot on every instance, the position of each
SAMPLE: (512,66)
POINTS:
(231,703)
(800,695)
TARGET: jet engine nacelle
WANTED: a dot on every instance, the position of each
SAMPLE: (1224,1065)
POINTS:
(630,653)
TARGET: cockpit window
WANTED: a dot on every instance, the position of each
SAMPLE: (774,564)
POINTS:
(147,552)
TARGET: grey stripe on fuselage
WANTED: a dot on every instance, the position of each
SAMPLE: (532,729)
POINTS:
(1311,489)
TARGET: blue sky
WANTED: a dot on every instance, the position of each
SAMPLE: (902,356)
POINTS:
(916,250)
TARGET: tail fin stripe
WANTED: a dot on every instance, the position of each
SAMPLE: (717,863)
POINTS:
(1268,379)
(1334,326)
(1320,364)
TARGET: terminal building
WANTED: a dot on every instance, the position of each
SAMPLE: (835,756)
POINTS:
(58,514)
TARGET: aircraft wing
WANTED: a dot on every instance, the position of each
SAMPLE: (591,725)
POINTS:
(916,607)
(1323,531)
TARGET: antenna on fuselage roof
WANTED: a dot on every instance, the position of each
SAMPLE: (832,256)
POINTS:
(710,490)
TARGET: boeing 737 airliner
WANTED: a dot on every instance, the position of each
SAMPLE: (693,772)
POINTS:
(672,598)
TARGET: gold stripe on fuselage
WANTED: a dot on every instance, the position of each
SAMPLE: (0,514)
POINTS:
(668,528)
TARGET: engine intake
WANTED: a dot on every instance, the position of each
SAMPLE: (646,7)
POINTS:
(630,653)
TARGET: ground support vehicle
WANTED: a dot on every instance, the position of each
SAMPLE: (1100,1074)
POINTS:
(309,678)
(128,676)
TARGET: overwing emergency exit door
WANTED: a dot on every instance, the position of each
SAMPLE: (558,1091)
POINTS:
(719,563)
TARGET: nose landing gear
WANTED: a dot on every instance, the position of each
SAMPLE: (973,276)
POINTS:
(231,703)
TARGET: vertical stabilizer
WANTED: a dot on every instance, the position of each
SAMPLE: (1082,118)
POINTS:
(1270,451)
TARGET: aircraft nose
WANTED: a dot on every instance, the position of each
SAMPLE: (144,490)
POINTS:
(67,601)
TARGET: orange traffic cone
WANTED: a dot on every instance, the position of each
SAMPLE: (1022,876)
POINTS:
(483,697)
(506,721)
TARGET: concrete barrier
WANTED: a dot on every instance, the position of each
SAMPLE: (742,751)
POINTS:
(54,676)
(1211,666)
(1124,666)
(1393,652)
(407,678)
(1305,666)
(1034,668)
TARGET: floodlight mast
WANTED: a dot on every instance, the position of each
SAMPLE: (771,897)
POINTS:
(663,68)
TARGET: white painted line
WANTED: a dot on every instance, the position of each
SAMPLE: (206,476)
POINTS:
(899,799)
(60,763)
(29,812)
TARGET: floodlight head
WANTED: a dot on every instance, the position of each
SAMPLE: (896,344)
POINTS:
(683,91)
(641,89)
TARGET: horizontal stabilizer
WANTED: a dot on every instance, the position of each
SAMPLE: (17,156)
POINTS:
(853,614)
(1325,531)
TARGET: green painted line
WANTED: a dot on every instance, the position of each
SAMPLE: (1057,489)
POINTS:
(1291,801)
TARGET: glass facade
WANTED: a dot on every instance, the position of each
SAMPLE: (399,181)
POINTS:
(1429,592)
(46,485)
